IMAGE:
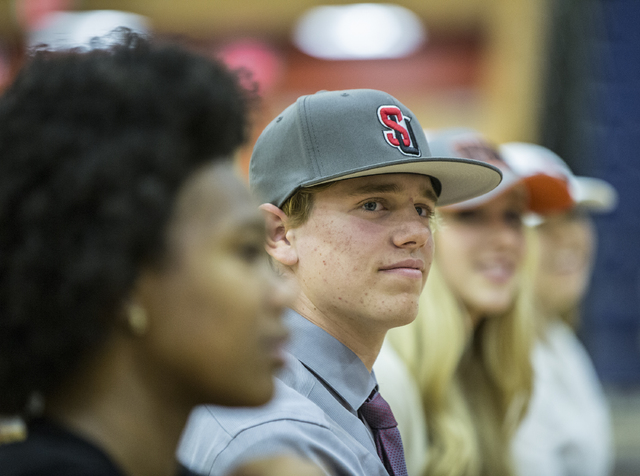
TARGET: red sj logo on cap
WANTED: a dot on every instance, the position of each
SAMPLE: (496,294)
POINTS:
(399,133)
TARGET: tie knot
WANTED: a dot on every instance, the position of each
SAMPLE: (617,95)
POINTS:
(378,413)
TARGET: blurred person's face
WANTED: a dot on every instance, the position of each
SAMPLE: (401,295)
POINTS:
(567,242)
(215,331)
(363,256)
(481,250)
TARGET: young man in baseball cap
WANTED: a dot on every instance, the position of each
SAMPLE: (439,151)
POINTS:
(349,186)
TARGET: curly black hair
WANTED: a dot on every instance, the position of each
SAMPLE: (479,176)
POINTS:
(93,149)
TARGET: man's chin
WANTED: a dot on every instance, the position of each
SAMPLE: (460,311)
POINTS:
(402,313)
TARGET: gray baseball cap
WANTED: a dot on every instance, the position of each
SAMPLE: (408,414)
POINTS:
(338,135)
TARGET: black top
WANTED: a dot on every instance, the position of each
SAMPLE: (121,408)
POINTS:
(51,450)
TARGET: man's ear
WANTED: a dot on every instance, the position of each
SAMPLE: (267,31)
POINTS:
(278,244)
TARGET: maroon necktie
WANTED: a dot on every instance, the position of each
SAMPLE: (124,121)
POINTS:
(378,415)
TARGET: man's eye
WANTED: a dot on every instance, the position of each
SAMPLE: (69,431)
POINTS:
(424,211)
(371,206)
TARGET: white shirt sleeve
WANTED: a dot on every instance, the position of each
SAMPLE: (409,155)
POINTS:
(567,431)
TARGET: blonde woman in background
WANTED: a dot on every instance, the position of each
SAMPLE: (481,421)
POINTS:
(567,431)
(469,349)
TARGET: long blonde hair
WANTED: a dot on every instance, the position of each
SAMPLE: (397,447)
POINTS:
(475,383)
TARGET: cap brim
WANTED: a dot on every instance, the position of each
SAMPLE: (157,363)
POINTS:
(594,194)
(547,194)
(461,179)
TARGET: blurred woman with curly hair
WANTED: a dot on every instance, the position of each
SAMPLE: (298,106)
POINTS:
(133,278)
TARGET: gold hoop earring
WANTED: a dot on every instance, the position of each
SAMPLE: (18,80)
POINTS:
(138,319)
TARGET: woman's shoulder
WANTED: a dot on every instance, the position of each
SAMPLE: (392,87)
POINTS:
(50,450)
(184,471)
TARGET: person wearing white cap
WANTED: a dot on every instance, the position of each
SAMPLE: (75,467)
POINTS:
(348,185)
(469,347)
(567,431)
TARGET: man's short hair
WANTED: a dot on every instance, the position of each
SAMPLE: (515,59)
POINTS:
(298,207)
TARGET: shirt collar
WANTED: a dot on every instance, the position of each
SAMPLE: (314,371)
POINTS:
(329,359)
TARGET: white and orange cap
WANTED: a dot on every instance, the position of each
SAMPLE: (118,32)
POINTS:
(548,190)
(589,193)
